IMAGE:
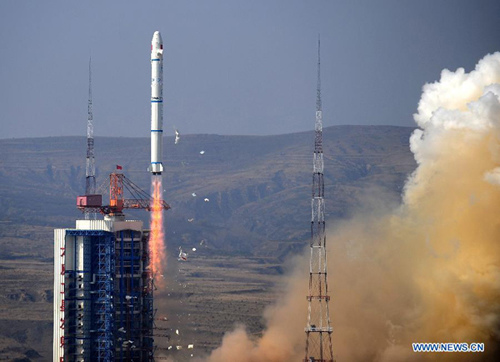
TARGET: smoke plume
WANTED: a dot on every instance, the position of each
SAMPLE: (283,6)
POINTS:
(427,270)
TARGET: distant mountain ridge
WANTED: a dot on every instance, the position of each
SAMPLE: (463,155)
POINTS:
(258,212)
(258,187)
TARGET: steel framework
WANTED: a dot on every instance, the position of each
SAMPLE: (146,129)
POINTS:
(90,183)
(118,183)
(134,298)
(89,320)
(104,327)
(318,329)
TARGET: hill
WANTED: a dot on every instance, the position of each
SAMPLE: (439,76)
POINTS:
(258,212)
(258,186)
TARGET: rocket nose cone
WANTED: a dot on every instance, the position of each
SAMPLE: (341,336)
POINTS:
(156,45)
(157,38)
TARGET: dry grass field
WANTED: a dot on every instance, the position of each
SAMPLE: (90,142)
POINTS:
(258,215)
(202,298)
(208,296)
(26,310)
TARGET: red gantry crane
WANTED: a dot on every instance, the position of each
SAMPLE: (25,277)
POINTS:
(117,202)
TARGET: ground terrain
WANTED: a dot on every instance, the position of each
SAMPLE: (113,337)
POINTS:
(257,216)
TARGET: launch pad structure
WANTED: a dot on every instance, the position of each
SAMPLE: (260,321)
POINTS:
(103,292)
(318,329)
(103,282)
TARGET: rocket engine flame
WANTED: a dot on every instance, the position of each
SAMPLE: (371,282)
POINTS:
(157,236)
(427,270)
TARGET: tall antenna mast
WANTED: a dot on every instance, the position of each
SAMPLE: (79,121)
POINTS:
(90,184)
(318,329)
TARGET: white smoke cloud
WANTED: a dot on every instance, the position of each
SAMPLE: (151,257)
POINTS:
(456,89)
(425,271)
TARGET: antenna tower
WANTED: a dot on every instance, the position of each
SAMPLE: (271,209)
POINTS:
(90,184)
(318,330)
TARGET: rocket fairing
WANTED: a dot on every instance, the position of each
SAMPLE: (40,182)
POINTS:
(156,166)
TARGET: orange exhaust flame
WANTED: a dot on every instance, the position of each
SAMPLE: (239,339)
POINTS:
(156,237)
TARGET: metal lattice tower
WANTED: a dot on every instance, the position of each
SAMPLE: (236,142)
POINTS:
(90,184)
(318,329)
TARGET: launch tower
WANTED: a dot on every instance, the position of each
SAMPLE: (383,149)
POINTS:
(90,184)
(103,285)
(103,279)
(103,302)
(318,329)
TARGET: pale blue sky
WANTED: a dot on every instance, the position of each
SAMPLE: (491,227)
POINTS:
(231,66)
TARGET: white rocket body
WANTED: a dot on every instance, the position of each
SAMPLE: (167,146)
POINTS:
(156,167)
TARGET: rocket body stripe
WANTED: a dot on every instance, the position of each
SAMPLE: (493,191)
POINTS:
(156,166)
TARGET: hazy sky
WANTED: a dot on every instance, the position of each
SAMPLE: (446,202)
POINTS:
(231,66)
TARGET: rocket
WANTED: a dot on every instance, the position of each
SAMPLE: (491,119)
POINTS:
(156,166)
